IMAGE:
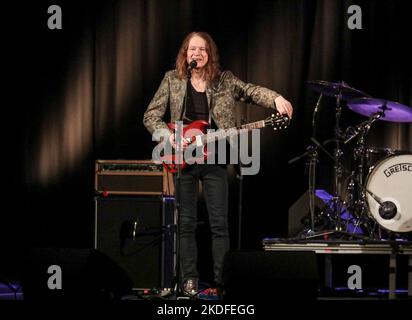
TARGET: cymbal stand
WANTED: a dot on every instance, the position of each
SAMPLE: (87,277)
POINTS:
(312,156)
(337,164)
(356,193)
(313,160)
(355,198)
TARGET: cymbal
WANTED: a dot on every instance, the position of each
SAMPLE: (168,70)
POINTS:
(335,88)
(393,111)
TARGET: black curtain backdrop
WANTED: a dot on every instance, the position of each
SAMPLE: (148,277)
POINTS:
(78,94)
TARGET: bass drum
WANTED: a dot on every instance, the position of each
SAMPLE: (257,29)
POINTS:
(391,181)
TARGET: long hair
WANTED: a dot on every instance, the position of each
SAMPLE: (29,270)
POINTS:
(212,68)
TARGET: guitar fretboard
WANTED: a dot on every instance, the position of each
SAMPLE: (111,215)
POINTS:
(221,134)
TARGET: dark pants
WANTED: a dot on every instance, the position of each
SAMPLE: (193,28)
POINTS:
(215,189)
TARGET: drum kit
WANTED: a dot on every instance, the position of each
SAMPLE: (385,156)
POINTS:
(375,200)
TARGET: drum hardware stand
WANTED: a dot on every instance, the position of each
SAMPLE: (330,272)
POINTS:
(312,156)
(357,202)
(374,108)
(384,206)
(337,200)
(337,203)
(312,160)
(356,198)
(364,126)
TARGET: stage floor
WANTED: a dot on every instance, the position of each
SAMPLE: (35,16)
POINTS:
(395,262)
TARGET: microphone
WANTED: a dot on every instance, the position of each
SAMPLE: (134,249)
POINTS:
(128,230)
(388,210)
(352,132)
(192,65)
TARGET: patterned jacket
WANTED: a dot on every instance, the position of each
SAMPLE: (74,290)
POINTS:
(221,97)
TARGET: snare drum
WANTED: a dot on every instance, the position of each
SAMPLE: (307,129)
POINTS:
(391,181)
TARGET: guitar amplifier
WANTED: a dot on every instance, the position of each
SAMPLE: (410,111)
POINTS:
(132,177)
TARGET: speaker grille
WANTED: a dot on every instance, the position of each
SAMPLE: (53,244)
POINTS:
(133,232)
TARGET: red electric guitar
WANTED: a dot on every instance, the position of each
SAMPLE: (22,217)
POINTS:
(195,135)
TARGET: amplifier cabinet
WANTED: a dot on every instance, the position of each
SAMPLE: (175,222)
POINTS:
(138,234)
(132,177)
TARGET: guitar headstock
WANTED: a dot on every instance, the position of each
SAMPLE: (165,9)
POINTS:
(277,121)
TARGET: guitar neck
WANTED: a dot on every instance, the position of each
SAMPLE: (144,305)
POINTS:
(222,134)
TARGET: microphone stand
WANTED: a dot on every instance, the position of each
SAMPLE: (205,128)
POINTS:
(177,288)
(240,199)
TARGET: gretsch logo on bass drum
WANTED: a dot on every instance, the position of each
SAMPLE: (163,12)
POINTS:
(399,167)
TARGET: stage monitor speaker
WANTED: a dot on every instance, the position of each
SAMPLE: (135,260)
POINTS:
(137,233)
(269,275)
(71,273)
(299,217)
